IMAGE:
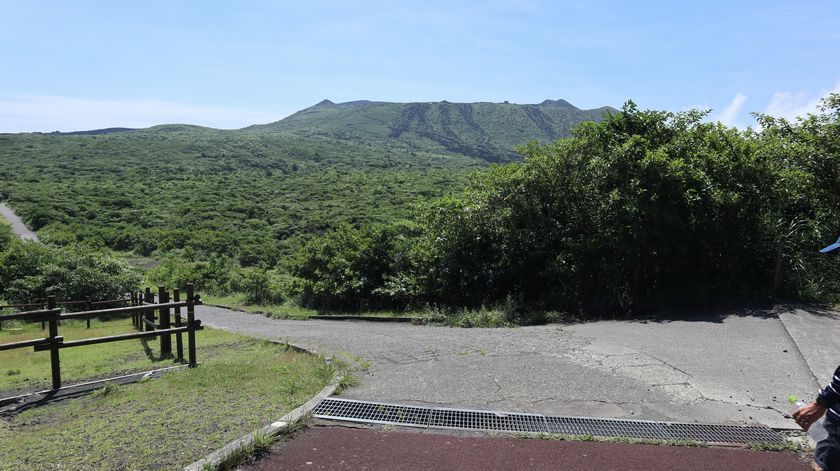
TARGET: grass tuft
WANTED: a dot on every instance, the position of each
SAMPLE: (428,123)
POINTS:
(286,310)
(108,389)
(348,381)
(595,438)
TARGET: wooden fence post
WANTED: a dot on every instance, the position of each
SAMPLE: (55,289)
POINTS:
(164,323)
(132,296)
(191,326)
(87,308)
(55,362)
(139,300)
(150,315)
(179,341)
(139,315)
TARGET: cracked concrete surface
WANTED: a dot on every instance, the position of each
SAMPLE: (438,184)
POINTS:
(736,366)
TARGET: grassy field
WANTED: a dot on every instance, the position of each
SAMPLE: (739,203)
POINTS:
(241,384)
(24,369)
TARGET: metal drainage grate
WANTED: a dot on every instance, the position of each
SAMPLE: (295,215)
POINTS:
(481,420)
(606,427)
(334,408)
(371,412)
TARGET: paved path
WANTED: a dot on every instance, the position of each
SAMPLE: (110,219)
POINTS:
(18,227)
(348,449)
(736,366)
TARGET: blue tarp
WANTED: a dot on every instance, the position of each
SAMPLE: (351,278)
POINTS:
(832,247)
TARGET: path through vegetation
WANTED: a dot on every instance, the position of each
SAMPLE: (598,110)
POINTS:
(18,227)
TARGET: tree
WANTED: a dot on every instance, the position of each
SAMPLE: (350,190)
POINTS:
(30,272)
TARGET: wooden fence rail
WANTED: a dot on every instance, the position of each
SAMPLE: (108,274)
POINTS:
(142,319)
(66,303)
(88,305)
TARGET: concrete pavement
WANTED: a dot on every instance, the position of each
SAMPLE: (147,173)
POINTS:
(814,330)
(731,366)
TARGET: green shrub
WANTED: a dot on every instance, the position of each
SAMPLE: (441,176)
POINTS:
(6,235)
(645,209)
(366,268)
(30,271)
(260,286)
(211,277)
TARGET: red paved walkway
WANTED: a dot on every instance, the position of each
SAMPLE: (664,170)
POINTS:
(337,448)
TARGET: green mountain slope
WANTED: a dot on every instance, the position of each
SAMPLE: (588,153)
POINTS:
(487,131)
(254,193)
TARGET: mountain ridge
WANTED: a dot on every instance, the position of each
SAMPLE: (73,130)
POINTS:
(485,130)
(257,192)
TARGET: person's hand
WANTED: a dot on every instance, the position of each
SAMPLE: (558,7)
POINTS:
(808,414)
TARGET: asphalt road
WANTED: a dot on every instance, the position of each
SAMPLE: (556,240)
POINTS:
(368,449)
(736,366)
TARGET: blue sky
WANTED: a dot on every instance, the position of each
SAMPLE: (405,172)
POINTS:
(83,65)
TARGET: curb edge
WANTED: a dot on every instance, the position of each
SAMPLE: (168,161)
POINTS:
(217,457)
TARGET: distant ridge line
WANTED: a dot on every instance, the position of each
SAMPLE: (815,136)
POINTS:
(95,132)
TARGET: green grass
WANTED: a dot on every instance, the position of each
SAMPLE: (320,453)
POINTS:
(24,369)
(237,301)
(291,310)
(240,385)
(499,316)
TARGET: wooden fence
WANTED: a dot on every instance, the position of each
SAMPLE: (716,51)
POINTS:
(142,313)
(87,306)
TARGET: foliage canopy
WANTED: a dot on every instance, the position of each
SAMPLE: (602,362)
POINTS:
(641,210)
(646,208)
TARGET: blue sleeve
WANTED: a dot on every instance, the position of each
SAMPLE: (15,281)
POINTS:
(830,395)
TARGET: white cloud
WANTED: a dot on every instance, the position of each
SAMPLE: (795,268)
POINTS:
(792,105)
(729,115)
(26,113)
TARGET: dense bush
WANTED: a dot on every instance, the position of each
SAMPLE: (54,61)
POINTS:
(643,206)
(6,235)
(367,268)
(223,276)
(644,209)
(30,271)
(211,277)
(201,194)
(261,286)
(806,155)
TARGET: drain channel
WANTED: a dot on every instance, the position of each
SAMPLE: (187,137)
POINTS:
(333,408)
